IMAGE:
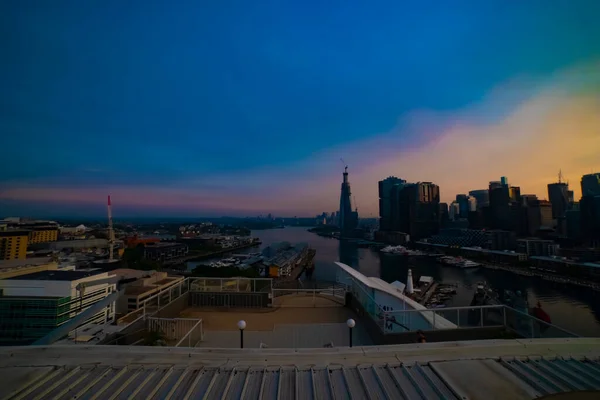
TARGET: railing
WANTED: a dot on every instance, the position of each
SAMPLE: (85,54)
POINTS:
(248,285)
(337,294)
(194,335)
(173,329)
(501,315)
(164,297)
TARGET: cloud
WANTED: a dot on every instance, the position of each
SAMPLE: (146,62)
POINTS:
(525,130)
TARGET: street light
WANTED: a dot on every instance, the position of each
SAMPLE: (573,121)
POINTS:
(241,326)
(351,324)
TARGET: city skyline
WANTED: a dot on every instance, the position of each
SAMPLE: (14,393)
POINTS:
(197,112)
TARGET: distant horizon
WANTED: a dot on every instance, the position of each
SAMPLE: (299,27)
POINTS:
(189,108)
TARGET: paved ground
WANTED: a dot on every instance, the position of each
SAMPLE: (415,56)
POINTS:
(294,310)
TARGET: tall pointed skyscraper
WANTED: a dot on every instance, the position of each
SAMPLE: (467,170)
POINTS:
(348,218)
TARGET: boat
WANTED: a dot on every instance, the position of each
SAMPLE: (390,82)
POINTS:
(401,250)
(458,262)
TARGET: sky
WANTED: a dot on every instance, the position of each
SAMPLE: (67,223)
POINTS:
(246,107)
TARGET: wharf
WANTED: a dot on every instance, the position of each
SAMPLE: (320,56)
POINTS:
(201,257)
(426,295)
(306,263)
(544,276)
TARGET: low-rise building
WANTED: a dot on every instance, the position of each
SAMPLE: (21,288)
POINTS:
(143,288)
(537,247)
(164,251)
(13,244)
(565,267)
(33,305)
(12,268)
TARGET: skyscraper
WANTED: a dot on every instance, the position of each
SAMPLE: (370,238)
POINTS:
(590,184)
(558,194)
(482,197)
(463,205)
(348,218)
(386,206)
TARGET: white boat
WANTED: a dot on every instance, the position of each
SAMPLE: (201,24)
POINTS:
(468,264)
(401,250)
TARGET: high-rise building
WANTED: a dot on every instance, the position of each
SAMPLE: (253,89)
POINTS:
(386,204)
(463,205)
(558,194)
(590,184)
(502,199)
(482,196)
(412,208)
(454,211)
(13,244)
(589,208)
(348,218)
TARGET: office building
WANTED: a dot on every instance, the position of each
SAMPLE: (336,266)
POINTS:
(419,207)
(589,208)
(558,193)
(13,244)
(537,247)
(35,304)
(590,184)
(463,205)
(454,211)
(165,251)
(481,196)
(348,218)
(12,268)
(502,199)
(386,206)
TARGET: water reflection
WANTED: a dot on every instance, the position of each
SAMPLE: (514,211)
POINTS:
(573,308)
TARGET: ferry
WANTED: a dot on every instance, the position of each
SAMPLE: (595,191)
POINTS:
(401,250)
(458,262)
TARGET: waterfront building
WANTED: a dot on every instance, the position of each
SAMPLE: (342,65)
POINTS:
(348,218)
(418,210)
(13,244)
(33,305)
(537,247)
(165,251)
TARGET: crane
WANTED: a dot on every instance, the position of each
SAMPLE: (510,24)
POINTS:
(345,165)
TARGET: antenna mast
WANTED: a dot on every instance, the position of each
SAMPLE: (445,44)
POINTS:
(111,233)
(560,176)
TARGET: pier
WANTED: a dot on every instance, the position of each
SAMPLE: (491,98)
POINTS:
(543,275)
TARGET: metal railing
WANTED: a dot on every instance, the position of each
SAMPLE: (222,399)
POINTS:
(336,294)
(173,329)
(195,335)
(500,315)
(247,285)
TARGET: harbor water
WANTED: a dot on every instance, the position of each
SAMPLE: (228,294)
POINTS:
(573,308)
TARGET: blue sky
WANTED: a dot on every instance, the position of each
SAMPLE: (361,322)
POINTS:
(236,98)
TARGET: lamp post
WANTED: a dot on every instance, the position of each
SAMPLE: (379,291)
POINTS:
(241,326)
(351,323)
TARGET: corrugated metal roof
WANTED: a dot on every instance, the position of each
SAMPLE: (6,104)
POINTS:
(435,380)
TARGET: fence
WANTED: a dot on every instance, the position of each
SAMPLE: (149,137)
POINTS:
(247,285)
(309,297)
(175,329)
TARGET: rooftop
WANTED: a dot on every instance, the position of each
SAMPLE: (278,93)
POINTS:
(28,262)
(496,369)
(57,275)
